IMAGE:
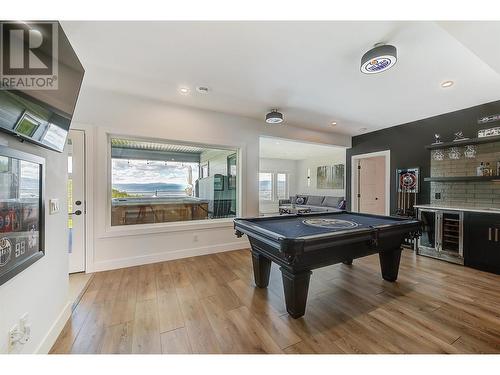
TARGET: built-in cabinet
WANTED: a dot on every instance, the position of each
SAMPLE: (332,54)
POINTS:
(482,241)
(466,236)
(469,238)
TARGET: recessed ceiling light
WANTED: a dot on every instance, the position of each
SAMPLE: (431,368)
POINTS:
(446,84)
(203,89)
(361,130)
(333,123)
(184,90)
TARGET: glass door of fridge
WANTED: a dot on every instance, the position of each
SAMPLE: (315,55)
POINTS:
(451,229)
(428,239)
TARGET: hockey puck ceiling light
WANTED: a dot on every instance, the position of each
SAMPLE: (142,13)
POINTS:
(274,117)
(380,58)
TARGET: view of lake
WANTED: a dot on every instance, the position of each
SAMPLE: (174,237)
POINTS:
(149,189)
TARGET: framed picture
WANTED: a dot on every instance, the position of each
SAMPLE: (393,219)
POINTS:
(218,182)
(330,177)
(205,170)
(231,172)
(21,211)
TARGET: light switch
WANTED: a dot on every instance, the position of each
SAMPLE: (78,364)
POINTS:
(53,206)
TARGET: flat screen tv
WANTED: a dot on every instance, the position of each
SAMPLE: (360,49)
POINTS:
(44,116)
(22,178)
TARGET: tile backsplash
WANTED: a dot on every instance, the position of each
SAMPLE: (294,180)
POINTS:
(478,194)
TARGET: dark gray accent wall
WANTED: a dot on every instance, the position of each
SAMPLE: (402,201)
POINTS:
(407,143)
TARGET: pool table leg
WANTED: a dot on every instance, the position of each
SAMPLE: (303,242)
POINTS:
(389,263)
(296,286)
(261,269)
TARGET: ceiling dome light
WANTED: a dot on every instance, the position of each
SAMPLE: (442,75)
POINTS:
(184,90)
(333,123)
(446,84)
(274,117)
(380,58)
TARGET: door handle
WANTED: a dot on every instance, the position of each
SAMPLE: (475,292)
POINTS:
(489,234)
(496,234)
(77,212)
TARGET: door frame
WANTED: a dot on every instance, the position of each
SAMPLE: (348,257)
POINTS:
(354,178)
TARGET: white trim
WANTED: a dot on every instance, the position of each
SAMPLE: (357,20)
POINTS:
(354,178)
(162,257)
(111,231)
(54,331)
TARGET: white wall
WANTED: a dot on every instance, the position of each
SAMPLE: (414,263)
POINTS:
(302,165)
(41,290)
(106,112)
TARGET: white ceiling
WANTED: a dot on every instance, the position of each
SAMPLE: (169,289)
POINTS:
(309,70)
(276,148)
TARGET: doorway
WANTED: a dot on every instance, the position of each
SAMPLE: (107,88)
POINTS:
(290,168)
(370,183)
(76,200)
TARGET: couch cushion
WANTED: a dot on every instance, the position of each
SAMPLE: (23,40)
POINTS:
(331,201)
(314,200)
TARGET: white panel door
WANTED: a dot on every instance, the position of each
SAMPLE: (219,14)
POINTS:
(76,200)
(372,185)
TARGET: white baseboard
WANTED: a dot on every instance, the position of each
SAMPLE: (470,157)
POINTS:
(54,331)
(162,257)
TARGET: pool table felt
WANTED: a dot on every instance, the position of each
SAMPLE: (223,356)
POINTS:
(292,226)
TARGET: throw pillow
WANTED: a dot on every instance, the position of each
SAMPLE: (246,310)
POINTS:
(300,200)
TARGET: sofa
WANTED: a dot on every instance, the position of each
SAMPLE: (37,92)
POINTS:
(317,203)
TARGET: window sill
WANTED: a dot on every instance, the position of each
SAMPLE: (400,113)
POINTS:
(142,229)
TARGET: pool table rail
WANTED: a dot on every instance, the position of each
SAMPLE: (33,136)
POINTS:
(319,241)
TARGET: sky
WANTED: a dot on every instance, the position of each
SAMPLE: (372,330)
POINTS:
(29,170)
(144,172)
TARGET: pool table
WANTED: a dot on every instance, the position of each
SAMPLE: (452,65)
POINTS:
(302,242)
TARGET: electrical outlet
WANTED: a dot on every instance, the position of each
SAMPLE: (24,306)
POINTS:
(13,344)
(25,328)
(19,334)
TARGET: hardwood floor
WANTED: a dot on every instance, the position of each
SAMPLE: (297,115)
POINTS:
(209,304)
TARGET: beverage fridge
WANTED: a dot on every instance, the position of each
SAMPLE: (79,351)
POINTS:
(442,234)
